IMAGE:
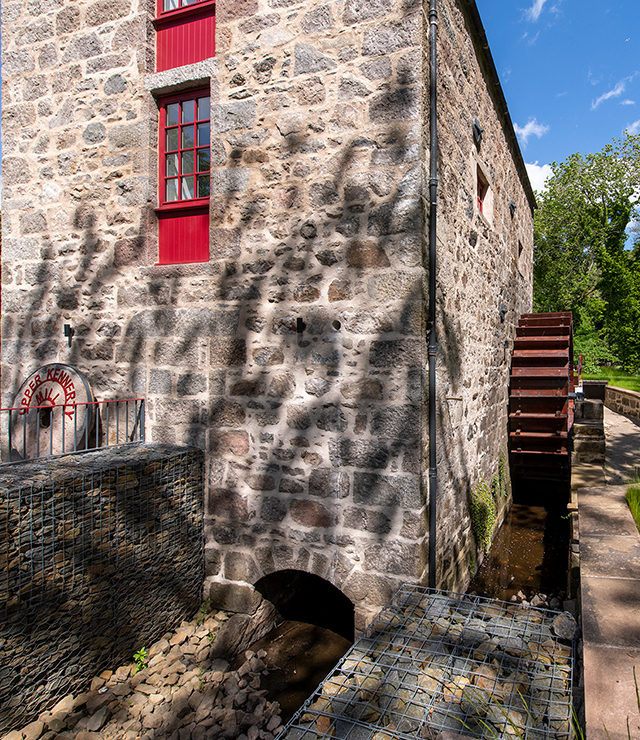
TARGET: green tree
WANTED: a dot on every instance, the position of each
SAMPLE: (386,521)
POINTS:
(580,260)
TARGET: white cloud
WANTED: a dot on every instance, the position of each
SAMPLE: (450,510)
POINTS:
(615,92)
(538,173)
(533,13)
(633,128)
(627,102)
(532,128)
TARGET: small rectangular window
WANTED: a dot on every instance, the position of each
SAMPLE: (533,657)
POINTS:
(184,177)
(184,146)
(482,188)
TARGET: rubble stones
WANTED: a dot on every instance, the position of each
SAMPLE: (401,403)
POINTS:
(184,692)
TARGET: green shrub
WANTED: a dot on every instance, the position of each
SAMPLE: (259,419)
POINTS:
(633,499)
(483,512)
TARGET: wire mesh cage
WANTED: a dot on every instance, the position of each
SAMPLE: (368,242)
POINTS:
(434,661)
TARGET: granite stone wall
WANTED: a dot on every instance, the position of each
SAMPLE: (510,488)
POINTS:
(101,554)
(622,401)
(296,357)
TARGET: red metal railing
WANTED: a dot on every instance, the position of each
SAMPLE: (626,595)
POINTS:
(50,430)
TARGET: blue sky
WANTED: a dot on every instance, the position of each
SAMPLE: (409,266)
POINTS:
(570,70)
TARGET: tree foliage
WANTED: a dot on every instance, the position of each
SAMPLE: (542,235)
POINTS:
(580,233)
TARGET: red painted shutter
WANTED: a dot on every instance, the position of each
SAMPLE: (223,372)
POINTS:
(185,36)
(183,237)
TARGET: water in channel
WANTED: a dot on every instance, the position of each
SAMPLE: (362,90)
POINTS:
(299,656)
(530,553)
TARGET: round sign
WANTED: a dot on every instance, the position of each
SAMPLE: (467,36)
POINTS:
(53,413)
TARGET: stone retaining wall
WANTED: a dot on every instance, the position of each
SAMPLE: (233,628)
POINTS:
(100,555)
(623,401)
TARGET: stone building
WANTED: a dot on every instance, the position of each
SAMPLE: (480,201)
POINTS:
(272,309)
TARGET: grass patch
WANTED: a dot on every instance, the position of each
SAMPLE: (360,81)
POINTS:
(633,499)
(615,376)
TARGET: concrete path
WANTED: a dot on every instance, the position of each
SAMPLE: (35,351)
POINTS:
(610,591)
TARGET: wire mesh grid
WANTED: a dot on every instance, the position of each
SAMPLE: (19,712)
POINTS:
(99,555)
(434,661)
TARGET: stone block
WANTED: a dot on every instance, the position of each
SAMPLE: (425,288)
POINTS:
(400,423)
(273,509)
(191,384)
(227,504)
(396,558)
(235,10)
(229,181)
(395,352)
(369,253)
(103,11)
(223,413)
(159,382)
(234,443)
(308,59)
(240,566)
(386,38)
(225,352)
(94,133)
(358,453)
(233,597)
(233,116)
(367,520)
(312,514)
(390,491)
(328,483)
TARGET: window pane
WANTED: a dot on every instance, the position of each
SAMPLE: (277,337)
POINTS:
(171,190)
(188,111)
(204,109)
(170,4)
(203,134)
(173,111)
(187,137)
(172,165)
(187,162)
(171,139)
(189,2)
(203,160)
(203,186)
(187,187)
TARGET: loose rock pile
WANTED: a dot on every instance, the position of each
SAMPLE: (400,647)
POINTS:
(184,692)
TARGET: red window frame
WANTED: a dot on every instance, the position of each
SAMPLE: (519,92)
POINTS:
(182,6)
(184,170)
(188,133)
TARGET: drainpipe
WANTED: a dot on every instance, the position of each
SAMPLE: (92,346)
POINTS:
(433,210)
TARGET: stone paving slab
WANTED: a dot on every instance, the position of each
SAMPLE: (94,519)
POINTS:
(611,611)
(610,690)
(615,555)
(587,474)
(610,597)
(604,511)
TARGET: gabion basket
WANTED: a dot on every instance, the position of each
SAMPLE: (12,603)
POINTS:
(434,661)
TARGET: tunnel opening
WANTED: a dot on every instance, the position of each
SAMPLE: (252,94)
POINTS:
(316,630)
(305,597)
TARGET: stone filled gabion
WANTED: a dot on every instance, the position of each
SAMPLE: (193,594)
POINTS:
(184,692)
(433,662)
(101,553)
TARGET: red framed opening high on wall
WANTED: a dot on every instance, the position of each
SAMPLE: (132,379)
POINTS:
(184,177)
(185,32)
